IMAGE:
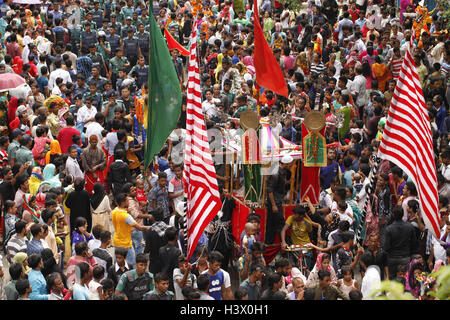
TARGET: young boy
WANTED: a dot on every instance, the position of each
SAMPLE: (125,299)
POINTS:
(183,277)
(23,288)
(219,279)
(108,288)
(161,288)
(95,243)
(158,197)
(344,255)
(101,254)
(176,187)
(120,267)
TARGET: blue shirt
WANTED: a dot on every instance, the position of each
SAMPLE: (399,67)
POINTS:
(80,292)
(34,246)
(215,284)
(84,66)
(42,83)
(38,285)
(328,173)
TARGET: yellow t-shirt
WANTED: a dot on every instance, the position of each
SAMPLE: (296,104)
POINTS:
(299,231)
(123,224)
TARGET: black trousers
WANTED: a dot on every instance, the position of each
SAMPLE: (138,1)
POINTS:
(275,223)
(394,262)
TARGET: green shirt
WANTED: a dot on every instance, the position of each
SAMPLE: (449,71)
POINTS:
(12,149)
(124,280)
(110,114)
(127,11)
(116,64)
(24,155)
(168,295)
(102,51)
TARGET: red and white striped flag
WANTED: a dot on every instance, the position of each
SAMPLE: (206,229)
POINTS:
(408,143)
(202,192)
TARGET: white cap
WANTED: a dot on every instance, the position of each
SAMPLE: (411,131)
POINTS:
(287,159)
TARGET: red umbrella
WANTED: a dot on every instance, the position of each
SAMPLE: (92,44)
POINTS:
(10,81)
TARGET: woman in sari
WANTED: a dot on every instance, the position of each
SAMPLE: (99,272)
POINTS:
(55,150)
(412,284)
(35,180)
(302,62)
(248,62)
(18,65)
(322,263)
(101,209)
(50,177)
(12,108)
(31,211)
(381,73)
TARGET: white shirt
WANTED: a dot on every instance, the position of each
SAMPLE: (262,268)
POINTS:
(73,168)
(58,73)
(210,108)
(191,281)
(345,216)
(359,88)
(370,282)
(84,113)
(56,91)
(94,128)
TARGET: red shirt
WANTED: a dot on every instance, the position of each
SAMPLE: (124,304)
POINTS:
(65,138)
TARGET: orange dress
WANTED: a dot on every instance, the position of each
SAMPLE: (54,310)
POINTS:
(382,74)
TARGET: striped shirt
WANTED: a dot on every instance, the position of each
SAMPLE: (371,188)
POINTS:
(318,69)
(3,158)
(84,66)
(15,245)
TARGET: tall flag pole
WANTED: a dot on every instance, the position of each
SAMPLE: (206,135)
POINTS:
(202,192)
(164,101)
(407,140)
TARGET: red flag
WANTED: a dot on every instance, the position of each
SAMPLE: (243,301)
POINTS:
(202,192)
(173,44)
(268,71)
(407,140)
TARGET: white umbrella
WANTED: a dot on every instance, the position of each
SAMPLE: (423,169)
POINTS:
(10,81)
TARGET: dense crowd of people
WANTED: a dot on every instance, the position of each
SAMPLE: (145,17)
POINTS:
(82,219)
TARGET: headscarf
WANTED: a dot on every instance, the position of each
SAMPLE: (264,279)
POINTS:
(50,177)
(33,209)
(30,19)
(403,5)
(248,62)
(35,180)
(20,257)
(12,108)
(40,199)
(319,260)
(18,64)
(61,113)
(313,277)
(410,286)
(54,149)
(98,195)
